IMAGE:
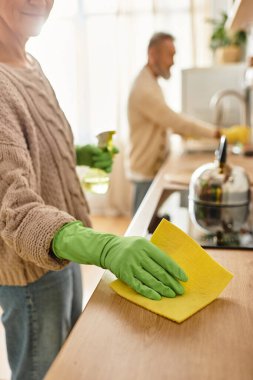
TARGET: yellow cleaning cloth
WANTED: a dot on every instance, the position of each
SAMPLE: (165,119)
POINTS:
(206,281)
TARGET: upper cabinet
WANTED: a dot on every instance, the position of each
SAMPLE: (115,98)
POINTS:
(241,15)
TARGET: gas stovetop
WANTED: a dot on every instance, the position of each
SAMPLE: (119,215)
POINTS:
(173,206)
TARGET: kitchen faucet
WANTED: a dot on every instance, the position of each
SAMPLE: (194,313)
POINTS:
(215,104)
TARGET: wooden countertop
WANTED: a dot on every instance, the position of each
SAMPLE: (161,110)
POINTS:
(115,339)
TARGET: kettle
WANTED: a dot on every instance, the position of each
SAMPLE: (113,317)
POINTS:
(219,194)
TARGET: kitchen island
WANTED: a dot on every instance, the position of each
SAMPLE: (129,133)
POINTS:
(115,339)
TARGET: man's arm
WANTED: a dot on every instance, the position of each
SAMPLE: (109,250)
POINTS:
(154,107)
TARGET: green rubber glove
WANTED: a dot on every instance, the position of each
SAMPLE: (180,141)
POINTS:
(95,157)
(134,260)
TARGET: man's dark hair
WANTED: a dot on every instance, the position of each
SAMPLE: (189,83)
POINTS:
(158,37)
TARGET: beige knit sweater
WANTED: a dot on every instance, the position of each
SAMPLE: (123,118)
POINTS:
(39,188)
(149,120)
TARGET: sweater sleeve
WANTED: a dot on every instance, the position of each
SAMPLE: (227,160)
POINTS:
(151,104)
(27,224)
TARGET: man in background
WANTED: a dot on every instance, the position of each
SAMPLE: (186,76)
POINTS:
(150,118)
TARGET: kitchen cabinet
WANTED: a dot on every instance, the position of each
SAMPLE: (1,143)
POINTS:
(240,15)
(115,339)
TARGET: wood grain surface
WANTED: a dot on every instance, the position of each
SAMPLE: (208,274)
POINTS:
(115,339)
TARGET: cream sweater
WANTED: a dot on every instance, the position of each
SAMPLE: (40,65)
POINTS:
(39,187)
(149,120)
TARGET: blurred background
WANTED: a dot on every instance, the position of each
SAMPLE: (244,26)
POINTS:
(98,47)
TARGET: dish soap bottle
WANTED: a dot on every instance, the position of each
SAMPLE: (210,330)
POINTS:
(97,180)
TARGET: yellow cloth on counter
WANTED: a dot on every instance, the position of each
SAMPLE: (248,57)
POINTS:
(206,280)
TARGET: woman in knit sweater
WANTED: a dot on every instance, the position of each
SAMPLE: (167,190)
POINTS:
(44,222)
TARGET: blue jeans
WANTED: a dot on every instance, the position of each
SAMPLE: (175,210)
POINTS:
(37,319)
(140,191)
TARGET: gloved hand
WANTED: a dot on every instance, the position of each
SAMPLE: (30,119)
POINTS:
(134,260)
(95,157)
(236,134)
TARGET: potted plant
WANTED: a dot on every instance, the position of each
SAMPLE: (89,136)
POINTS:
(227,46)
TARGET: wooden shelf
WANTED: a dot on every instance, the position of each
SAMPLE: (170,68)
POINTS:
(241,15)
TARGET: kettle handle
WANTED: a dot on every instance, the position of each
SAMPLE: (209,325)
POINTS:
(222,151)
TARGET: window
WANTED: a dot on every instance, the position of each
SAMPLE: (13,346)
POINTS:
(91,51)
